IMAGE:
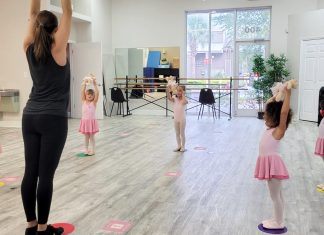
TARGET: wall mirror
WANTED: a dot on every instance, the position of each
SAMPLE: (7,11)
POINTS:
(147,62)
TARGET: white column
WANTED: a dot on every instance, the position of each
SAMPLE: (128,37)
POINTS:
(320,4)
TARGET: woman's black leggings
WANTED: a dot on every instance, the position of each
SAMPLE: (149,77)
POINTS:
(44,138)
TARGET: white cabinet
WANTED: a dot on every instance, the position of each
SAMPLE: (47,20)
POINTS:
(81,9)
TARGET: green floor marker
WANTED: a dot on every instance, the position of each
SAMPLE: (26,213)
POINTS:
(82,155)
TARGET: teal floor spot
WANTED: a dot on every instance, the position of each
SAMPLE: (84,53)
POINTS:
(82,155)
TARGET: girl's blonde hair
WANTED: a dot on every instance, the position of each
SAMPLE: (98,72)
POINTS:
(90,91)
(181,87)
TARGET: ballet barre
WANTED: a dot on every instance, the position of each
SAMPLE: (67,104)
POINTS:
(127,87)
(219,89)
(193,87)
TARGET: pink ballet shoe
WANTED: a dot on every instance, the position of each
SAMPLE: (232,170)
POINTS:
(273,225)
(267,221)
(177,149)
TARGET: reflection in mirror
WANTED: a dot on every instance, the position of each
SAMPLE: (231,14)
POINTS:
(132,61)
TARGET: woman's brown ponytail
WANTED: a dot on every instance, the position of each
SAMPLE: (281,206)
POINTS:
(46,22)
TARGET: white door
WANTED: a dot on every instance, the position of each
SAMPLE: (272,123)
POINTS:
(85,58)
(311,78)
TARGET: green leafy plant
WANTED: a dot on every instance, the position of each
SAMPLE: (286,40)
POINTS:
(268,72)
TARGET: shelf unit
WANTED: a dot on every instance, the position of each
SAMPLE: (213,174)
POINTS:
(81,9)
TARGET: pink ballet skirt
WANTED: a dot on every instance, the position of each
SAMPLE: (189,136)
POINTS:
(272,166)
(88,124)
(319,147)
(269,164)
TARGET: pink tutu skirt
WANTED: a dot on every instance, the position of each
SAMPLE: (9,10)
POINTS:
(88,126)
(319,147)
(271,166)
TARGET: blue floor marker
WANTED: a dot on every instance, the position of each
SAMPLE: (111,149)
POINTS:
(272,231)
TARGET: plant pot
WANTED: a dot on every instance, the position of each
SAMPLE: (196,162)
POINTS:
(260,115)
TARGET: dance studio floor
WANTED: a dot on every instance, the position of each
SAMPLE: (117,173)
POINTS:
(136,181)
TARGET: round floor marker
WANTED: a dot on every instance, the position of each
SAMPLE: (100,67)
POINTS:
(218,132)
(320,190)
(200,148)
(10,179)
(124,134)
(68,228)
(173,173)
(82,155)
(2,184)
(272,231)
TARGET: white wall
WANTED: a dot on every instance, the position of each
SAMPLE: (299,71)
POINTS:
(320,4)
(302,26)
(156,23)
(13,64)
(13,23)
(101,24)
(101,32)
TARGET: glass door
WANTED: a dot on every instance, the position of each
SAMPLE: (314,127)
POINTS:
(245,103)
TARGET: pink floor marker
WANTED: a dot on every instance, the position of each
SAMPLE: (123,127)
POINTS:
(68,228)
(10,179)
(173,173)
(117,226)
(200,148)
(124,134)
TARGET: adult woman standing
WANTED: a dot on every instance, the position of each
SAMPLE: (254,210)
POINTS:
(44,122)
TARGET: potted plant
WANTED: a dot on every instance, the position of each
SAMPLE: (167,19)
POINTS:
(259,70)
(268,72)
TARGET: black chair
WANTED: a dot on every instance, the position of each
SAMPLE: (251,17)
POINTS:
(117,96)
(206,97)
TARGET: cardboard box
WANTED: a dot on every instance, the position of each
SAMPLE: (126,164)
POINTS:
(175,62)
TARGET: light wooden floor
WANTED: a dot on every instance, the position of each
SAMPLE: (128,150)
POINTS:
(216,193)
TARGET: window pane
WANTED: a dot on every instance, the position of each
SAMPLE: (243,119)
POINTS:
(246,98)
(222,44)
(197,45)
(253,24)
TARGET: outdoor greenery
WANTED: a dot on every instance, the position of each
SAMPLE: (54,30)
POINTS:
(236,24)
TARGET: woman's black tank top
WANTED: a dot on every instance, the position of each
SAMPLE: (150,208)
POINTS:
(50,93)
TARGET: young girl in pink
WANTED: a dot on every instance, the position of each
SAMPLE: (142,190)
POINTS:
(270,166)
(89,124)
(179,109)
(319,147)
